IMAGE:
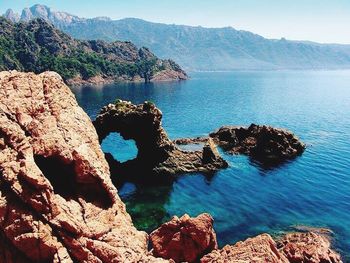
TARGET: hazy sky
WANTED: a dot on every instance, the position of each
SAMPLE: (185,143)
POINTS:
(325,21)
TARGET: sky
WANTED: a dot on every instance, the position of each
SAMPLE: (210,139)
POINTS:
(324,21)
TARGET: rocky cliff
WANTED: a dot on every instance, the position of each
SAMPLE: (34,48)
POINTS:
(37,46)
(58,203)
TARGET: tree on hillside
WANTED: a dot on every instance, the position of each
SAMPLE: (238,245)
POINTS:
(147,68)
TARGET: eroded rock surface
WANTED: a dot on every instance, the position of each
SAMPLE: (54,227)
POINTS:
(301,247)
(156,152)
(260,249)
(57,202)
(263,143)
(184,239)
(308,247)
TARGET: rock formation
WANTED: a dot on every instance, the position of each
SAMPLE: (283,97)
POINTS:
(263,143)
(260,249)
(57,202)
(307,247)
(156,152)
(184,239)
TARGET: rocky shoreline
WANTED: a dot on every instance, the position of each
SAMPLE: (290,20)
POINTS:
(58,202)
(162,76)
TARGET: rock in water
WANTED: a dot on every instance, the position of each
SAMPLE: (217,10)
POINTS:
(184,239)
(308,247)
(263,143)
(156,152)
(57,202)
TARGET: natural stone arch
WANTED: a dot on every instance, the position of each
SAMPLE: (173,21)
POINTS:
(156,152)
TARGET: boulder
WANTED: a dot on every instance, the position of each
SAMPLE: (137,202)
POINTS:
(184,239)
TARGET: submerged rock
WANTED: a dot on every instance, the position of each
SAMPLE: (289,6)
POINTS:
(263,143)
(57,201)
(156,152)
(184,239)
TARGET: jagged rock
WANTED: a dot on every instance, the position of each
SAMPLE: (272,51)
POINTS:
(301,247)
(156,152)
(12,16)
(263,143)
(184,239)
(57,201)
(308,247)
(260,249)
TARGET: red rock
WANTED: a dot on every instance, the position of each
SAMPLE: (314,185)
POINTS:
(308,247)
(184,239)
(57,201)
(260,249)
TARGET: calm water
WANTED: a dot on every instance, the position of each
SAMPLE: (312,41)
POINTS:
(245,199)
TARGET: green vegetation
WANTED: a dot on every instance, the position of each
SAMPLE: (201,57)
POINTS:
(37,46)
(147,68)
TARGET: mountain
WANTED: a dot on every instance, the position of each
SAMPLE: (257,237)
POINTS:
(38,46)
(199,48)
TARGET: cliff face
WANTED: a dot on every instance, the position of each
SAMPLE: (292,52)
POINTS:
(38,46)
(57,202)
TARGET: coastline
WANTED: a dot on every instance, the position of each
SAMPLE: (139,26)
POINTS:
(162,76)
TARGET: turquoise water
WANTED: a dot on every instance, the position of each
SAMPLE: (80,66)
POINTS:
(245,199)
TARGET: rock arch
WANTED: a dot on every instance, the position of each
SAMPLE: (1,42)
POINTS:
(156,152)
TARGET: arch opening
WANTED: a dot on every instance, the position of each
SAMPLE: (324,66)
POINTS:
(122,150)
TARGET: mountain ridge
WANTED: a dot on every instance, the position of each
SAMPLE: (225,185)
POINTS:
(200,48)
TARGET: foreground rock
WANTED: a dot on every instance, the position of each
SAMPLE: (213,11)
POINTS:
(184,239)
(57,202)
(303,247)
(258,249)
(157,154)
(307,247)
(263,143)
